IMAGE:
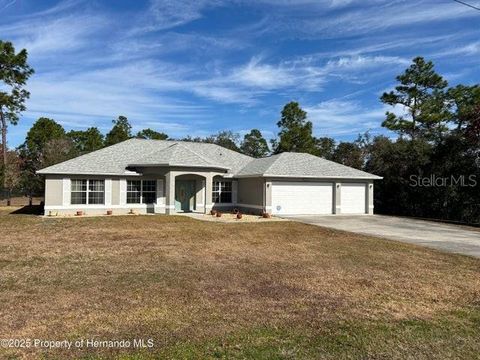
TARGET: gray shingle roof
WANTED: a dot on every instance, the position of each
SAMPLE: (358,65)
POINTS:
(301,165)
(177,155)
(115,159)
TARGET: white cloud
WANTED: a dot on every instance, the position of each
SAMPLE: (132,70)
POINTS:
(354,63)
(48,36)
(5,4)
(168,43)
(264,76)
(93,98)
(58,8)
(167,14)
(469,49)
(363,17)
(339,117)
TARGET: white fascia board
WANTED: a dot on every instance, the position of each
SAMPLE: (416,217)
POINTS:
(86,173)
(181,165)
(373,177)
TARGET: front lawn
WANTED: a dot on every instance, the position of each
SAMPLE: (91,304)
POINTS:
(210,290)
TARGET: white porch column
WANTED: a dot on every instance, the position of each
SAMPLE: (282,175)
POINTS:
(337,198)
(370,198)
(108,192)
(160,205)
(170,193)
(267,203)
(66,185)
(208,192)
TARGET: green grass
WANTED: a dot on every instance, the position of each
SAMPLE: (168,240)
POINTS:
(452,336)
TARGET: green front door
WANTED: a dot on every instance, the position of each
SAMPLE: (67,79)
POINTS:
(185,195)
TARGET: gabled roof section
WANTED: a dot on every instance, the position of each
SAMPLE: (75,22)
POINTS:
(301,165)
(115,159)
(112,160)
(176,155)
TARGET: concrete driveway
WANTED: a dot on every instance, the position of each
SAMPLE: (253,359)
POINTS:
(446,237)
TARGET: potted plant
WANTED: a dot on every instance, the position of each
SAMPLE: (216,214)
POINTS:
(218,214)
(109,212)
(79,212)
(239,215)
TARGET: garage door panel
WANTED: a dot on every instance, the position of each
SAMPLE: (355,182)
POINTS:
(353,198)
(290,198)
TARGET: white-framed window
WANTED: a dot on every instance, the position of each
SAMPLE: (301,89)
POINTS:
(134,191)
(85,192)
(141,191)
(222,192)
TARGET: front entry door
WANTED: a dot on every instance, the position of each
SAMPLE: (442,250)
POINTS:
(185,195)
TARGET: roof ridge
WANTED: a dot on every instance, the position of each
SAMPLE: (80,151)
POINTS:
(337,163)
(184,142)
(195,153)
(273,162)
(154,151)
(262,158)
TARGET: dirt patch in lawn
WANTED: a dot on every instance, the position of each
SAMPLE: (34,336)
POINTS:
(194,287)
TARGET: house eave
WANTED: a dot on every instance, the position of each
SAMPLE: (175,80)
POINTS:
(373,177)
(180,165)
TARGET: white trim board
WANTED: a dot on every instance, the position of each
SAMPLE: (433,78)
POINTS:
(102,207)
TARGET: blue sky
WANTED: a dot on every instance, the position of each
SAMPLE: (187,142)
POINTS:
(197,67)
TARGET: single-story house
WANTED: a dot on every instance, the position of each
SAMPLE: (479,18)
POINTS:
(167,177)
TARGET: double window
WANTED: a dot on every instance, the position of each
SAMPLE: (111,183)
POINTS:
(87,192)
(222,192)
(141,191)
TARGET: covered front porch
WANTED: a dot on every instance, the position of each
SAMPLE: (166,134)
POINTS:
(198,192)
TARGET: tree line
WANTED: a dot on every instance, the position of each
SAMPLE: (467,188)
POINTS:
(437,138)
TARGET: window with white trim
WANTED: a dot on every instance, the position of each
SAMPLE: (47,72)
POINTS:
(141,191)
(85,192)
(222,192)
(134,191)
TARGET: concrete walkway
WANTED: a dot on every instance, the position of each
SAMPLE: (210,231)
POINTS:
(446,237)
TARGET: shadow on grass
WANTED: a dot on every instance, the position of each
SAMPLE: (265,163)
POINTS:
(29,210)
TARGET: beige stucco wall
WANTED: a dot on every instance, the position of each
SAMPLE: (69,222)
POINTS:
(250,191)
(115,192)
(53,191)
(255,192)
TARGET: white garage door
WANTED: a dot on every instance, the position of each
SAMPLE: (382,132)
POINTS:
(353,198)
(290,198)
